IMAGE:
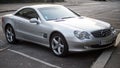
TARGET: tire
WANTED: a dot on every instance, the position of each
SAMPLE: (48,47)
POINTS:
(10,34)
(58,45)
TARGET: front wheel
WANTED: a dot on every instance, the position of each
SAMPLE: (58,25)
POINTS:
(10,34)
(58,45)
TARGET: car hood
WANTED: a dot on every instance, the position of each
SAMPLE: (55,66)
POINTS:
(84,23)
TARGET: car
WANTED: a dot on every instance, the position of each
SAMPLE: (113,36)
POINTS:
(59,28)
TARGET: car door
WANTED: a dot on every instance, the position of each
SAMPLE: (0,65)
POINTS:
(26,29)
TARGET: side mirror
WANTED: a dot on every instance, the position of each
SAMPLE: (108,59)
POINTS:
(34,20)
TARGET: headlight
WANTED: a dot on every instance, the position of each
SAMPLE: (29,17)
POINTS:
(112,29)
(82,35)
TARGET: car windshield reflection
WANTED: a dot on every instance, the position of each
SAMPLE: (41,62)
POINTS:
(55,13)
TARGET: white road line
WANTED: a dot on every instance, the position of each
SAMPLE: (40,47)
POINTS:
(105,56)
(2,45)
(103,59)
(117,40)
(3,48)
(35,59)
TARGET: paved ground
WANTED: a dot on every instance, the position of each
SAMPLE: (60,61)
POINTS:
(29,55)
(114,59)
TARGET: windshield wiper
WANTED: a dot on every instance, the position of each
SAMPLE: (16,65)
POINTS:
(66,17)
(59,18)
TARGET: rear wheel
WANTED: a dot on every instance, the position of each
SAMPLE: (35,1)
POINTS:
(10,34)
(58,45)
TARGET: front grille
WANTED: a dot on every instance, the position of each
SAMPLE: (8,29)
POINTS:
(101,33)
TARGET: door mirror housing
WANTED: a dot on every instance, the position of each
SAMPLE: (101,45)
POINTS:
(34,20)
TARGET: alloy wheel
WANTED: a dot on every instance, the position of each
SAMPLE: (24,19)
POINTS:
(59,45)
(10,35)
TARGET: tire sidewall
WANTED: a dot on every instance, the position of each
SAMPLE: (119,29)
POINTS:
(14,37)
(65,51)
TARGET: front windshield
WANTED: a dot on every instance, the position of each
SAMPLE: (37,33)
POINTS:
(58,12)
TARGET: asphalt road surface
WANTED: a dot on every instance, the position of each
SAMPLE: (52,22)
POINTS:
(29,55)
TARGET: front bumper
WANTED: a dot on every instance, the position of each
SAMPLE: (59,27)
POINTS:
(92,44)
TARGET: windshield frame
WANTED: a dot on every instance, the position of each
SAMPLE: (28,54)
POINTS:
(63,17)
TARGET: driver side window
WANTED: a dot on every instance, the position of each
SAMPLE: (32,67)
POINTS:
(27,13)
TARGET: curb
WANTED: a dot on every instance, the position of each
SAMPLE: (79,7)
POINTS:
(7,11)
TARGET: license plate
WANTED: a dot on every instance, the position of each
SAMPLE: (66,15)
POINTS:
(104,42)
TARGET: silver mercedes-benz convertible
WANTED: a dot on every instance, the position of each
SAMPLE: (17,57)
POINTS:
(59,28)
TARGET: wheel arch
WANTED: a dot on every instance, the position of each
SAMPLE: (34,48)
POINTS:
(59,33)
(66,47)
(7,25)
(54,33)
(14,36)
